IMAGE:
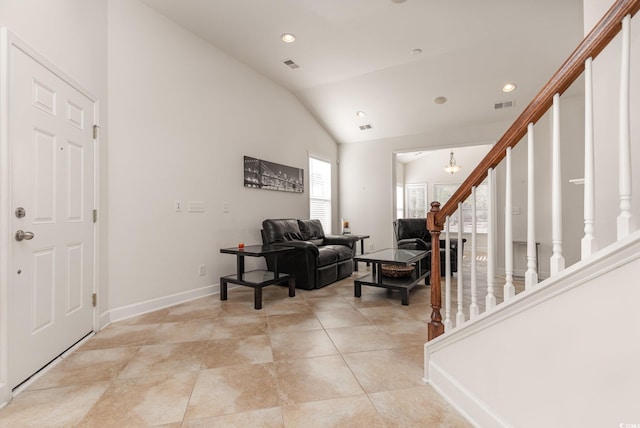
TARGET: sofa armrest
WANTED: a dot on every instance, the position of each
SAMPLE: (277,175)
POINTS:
(301,245)
(414,243)
(346,240)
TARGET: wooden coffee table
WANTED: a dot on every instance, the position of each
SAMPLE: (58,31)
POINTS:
(391,256)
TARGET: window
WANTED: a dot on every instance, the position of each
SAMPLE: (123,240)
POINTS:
(444,191)
(320,193)
(416,200)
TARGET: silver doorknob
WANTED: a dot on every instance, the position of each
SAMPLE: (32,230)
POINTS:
(21,234)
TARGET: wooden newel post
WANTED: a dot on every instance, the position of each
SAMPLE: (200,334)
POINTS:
(436,328)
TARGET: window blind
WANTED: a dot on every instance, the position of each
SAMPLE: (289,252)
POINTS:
(320,192)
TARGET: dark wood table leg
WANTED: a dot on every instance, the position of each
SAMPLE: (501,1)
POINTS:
(257,298)
(240,267)
(357,289)
(223,289)
(292,287)
(405,296)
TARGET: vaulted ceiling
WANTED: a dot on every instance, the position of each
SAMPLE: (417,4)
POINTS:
(360,55)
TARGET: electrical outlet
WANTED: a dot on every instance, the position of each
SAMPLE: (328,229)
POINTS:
(370,247)
(202,270)
(225,207)
(178,206)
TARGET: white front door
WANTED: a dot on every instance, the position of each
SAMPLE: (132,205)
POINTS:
(52,201)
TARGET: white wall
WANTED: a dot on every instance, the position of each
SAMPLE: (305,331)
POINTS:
(569,359)
(367,164)
(367,171)
(72,34)
(183,114)
(566,356)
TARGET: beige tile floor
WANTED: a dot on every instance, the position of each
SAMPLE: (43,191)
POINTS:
(320,359)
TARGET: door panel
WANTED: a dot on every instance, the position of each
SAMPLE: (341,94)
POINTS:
(45,177)
(76,203)
(52,176)
(43,291)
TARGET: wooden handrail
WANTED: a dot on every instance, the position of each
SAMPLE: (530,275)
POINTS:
(604,31)
(608,27)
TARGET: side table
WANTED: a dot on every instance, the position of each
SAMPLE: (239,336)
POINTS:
(360,238)
(257,278)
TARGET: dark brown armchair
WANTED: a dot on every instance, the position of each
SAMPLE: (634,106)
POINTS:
(412,234)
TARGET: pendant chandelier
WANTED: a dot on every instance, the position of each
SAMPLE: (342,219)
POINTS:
(452,166)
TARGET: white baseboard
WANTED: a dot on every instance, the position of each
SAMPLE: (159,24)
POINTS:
(474,410)
(124,312)
(118,314)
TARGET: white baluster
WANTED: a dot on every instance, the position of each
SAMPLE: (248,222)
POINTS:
(474,309)
(447,280)
(626,222)
(588,243)
(557,259)
(509,289)
(490,300)
(531,275)
(460,314)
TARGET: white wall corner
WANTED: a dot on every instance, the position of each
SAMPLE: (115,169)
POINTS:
(5,392)
(426,363)
(104,319)
(5,395)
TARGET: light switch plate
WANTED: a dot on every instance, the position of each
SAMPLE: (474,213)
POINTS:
(196,206)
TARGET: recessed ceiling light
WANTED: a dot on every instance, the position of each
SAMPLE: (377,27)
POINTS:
(509,87)
(360,113)
(288,38)
(440,100)
(416,51)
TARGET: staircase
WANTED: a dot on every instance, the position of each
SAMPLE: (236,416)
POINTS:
(566,350)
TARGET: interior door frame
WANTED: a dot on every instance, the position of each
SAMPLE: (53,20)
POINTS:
(9,41)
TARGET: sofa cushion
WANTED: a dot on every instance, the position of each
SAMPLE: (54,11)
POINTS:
(344,253)
(281,230)
(327,256)
(311,229)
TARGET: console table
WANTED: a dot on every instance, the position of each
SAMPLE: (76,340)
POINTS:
(392,257)
(257,278)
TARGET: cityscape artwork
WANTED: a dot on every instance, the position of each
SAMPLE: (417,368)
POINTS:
(261,174)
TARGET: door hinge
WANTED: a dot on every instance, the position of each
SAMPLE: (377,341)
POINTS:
(95,132)
(95,216)
(94,300)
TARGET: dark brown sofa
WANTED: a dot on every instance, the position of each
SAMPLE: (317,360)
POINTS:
(318,260)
